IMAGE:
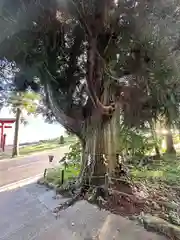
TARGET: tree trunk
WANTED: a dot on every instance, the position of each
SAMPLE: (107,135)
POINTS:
(110,131)
(15,151)
(155,138)
(99,152)
(99,164)
(93,168)
(157,151)
(169,143)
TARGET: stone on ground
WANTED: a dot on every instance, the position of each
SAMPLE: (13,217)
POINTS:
(162,226)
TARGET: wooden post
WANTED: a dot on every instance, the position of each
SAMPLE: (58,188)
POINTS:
(51,157)
(106,185)
(62,176)
(2,134)
(4,142)
(45,171)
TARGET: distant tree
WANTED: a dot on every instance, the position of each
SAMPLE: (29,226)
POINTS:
(61,140)
(21,103)
(17,100)
(166,123)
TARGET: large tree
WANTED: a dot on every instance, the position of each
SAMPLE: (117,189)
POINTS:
(94,58)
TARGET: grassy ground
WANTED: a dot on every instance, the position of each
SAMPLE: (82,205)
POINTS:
(166,170)
(54,175)
(38,147)
(160,181)
(45,145)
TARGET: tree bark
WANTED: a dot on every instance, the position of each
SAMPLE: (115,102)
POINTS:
(169,143)
(99,165)
(155,138)
(157,151)
(15,151)
(93,168)
(111,130)
(99,152)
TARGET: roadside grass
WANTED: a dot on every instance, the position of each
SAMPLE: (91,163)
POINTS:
(54,175)
(45,145)
(166,170)
(38,148)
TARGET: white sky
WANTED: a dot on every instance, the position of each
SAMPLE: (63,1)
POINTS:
(36,129)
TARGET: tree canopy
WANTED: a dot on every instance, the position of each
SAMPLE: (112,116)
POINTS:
(77,49)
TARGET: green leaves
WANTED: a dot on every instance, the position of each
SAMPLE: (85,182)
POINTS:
(136,141)
(27,102)
(75,152)
(139,34)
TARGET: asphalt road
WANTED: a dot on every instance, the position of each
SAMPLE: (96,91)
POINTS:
(14,170)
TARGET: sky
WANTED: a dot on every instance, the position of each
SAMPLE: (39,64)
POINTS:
(35,130)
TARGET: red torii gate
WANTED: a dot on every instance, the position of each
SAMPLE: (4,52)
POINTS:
(3,122)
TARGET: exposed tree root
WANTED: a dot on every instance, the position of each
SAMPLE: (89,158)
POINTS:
(67,204)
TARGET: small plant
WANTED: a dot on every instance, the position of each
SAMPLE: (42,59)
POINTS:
(75,153)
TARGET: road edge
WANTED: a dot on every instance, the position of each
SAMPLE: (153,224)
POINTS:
(31,154)
(21,183)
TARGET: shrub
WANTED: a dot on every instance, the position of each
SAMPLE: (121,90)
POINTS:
(75,153)
(61,141)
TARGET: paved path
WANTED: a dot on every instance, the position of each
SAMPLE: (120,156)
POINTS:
(26,215)
(18,169)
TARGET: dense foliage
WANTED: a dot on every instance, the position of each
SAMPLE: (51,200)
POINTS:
(75,153)
(128,38)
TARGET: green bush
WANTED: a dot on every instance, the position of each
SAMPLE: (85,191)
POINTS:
(61,141)
(176,139)
(136,142)
(54,175)
(75,152)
